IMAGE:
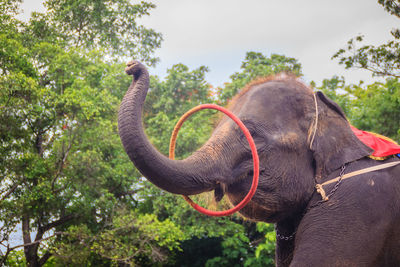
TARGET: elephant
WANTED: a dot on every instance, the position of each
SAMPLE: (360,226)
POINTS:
(359,225)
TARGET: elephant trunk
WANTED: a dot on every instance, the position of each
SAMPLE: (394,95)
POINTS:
(186,177)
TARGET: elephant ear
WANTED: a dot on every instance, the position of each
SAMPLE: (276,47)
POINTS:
(335,144)
(331,104)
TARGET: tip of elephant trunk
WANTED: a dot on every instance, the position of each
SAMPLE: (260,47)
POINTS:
(134,68)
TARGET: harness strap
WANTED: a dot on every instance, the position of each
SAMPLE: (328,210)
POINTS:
(321,190)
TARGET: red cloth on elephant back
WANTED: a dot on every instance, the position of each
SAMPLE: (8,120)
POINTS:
(381,146)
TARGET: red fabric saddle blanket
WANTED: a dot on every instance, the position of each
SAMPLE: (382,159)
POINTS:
(381,145)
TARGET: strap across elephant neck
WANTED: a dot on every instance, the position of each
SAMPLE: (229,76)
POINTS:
(321,191)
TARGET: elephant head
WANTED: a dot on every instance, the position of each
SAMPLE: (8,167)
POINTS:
(280,113)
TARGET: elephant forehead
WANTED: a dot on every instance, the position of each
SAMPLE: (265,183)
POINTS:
(286,138)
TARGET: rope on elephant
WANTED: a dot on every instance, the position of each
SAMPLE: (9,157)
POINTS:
(315,122)
(254,153)
(321,191)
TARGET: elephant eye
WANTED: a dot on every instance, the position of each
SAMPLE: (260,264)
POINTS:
(261,172)
(256,133)
(250,126)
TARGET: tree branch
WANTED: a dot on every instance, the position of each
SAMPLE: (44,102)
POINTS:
(3,260)
(26,233)
(56,223)
(12,189)
(62,161)
(130,192)
(36,241)
(379,72)
(44,258)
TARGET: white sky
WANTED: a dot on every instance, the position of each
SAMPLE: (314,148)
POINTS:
(218,33)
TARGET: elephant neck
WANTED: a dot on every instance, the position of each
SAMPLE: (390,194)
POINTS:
(286,229)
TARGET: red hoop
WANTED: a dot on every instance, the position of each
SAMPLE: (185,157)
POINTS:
(246,132)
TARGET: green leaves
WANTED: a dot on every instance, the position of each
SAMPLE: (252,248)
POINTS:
(111,25)
(265,251)
(382,60)
(14,57)
(8,10)
(373,107)
(257,65)
(61,161)
(376,107)
(168,100)
(131,239)
(391,6)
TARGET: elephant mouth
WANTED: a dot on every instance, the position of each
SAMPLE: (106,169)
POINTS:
(219,192)
(257,209)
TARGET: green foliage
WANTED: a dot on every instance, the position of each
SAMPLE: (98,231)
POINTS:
(257,65)
(168,100)
(16,258)
(374,107)
(62,164)
(8,10)
(391,6)
(110,25)
(234,248)
(181,90)
(371,107)
(130,239)
(59,143)
(382,60)
(264,254)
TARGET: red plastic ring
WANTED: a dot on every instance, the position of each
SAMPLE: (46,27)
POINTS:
(254,153)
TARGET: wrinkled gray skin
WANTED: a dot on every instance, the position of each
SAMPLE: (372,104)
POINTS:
(358,226)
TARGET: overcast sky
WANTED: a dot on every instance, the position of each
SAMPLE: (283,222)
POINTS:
(218,33)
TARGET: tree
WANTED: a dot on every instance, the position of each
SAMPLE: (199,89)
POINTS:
(376,107)
(373,107)
(61,163)
(382,60)
(8,10)
(109,25)
(130,239)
